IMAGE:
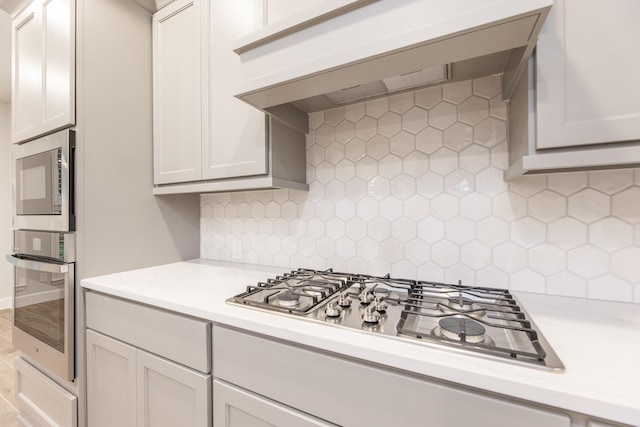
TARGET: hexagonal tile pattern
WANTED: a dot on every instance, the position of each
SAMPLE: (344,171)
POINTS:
(475,158)
(610,181)
(487,87)
(626,204)
(345,131)
(460,230)
(402,102)
(611,234)
(546,259)
(459,183)
(458,136)
(389,124)
(443,161)
(567,284)
(490,131)
(457,92)
(412,185)
(527,281)
(547,206)
(443,115)
(509,257)
(334,116)
(415,120)
(366,128)
(402,143)
(429,140)
(588,261)
(473,110)
(567,233)
(429,97)
(624,264)
(567,183)
(588,205)
(528,232)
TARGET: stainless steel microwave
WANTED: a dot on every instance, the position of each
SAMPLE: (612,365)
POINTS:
(43,183)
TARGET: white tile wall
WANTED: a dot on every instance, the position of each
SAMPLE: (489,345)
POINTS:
(412,185)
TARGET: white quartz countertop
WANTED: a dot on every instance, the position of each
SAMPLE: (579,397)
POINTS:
(598,341)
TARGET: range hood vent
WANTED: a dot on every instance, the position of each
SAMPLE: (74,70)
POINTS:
(345,51)
(389,85)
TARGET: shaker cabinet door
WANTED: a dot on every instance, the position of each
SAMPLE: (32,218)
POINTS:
(237,144)
(43,52)
(587,74)
(234,407)
(179,67)
(111,382)
(171,395)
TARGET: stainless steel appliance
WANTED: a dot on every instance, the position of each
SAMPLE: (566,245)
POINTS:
(485,321)
(44,309)
(43,187)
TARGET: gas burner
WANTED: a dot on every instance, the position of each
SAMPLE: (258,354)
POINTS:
(314,290)
(287,299)
(462,329)
(460,303)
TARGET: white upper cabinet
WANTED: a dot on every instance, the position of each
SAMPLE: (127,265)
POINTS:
(43,50)
(237,142)
(179,67)
(588,90)
(205,139)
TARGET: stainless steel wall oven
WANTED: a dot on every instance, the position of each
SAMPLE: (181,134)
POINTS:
(44,302)
(44,252)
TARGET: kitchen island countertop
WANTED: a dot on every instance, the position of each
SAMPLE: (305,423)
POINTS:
(598,341)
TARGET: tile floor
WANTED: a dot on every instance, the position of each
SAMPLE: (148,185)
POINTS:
(8,409)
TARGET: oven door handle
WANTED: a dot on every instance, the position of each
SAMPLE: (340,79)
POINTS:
(38,265)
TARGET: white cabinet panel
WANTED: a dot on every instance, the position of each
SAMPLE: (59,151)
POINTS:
(43,90)
(237,143)
(234,407)
(179,68)
(345,391)
(587,74)
(171,395)
(42,402)
(111,382)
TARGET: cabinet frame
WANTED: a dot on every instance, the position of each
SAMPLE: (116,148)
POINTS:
(49,76)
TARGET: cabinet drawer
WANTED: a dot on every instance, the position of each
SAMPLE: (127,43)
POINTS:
(183,339)
(42,402)
(348,393)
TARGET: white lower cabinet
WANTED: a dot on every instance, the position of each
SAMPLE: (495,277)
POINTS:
(42,402)
(234,407)
(146,366)
(130,387)
(349,393)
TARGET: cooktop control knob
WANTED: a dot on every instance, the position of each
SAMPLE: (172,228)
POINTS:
(370,315)
(343,300)
(380,305)
(366,296)
(333,310)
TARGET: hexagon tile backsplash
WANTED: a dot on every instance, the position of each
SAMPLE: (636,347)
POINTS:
(412,185)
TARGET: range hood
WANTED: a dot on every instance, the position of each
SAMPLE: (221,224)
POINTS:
(344,51)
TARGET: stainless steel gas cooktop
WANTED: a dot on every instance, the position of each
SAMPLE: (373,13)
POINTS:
(485,321)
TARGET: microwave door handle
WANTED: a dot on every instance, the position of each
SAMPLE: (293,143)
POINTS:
(37,265)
